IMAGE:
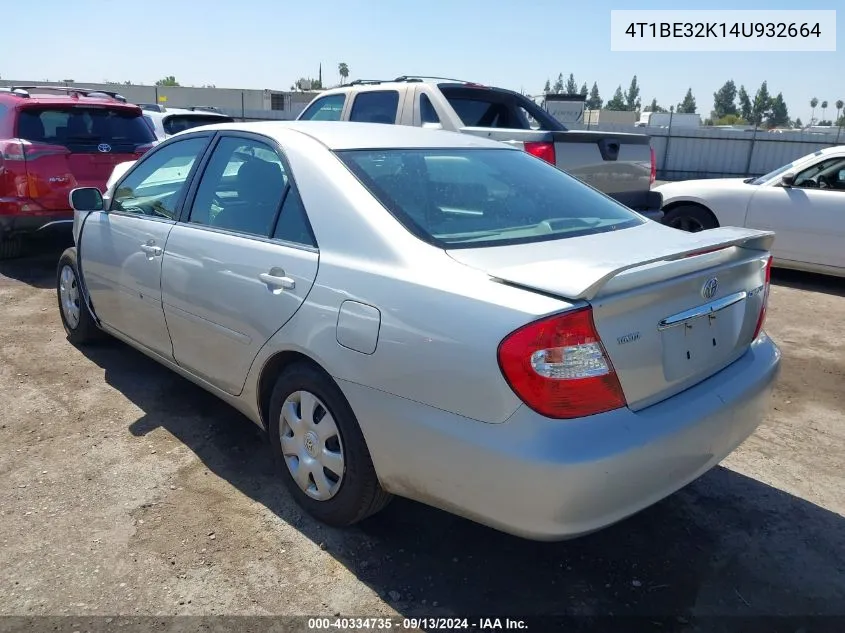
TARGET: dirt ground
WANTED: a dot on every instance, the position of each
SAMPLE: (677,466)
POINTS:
(124,489)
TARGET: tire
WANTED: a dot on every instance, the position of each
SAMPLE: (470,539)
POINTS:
(76,318)
(11,247)
(341,499)
(690,218)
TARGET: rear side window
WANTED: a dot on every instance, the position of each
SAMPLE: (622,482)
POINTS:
(462,198)
(176,123)
(84,129)
(375,107)
(327,108)
(427,112)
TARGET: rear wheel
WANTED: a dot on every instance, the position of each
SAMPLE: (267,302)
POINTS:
(690,218)
(11,247)
(76,319)
(320,450)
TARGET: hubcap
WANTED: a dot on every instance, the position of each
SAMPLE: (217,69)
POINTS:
(69,293)
(311,445)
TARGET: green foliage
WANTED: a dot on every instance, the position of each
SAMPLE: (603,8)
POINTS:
(687,106)
(169,81)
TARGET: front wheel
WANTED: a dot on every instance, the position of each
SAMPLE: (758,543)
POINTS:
(76,318)
(690,218)
(320,450)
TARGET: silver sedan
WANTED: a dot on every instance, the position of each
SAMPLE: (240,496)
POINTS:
(430,314)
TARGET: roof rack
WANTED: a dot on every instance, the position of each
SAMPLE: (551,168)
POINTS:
(203,108)
(424,77)
(25,91)
(406,78)
(152,107)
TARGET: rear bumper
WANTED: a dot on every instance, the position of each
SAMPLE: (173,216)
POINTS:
(554,479)
(15,221)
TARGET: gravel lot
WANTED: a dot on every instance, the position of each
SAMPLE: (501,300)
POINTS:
(124,489)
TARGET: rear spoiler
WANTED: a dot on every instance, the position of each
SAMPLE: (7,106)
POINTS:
(580,272)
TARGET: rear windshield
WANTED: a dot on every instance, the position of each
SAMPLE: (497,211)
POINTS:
(463,198)
(176,123)
(84,128)
(479,107)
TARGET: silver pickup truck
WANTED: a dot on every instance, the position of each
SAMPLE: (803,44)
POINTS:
(618,164)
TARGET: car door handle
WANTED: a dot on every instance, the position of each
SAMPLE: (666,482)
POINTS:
(151,250)
(278,281)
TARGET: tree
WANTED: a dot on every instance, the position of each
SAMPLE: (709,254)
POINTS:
(558,87)
(583,90)
(778,114)
(813,103)
(839,104)
(798,123)
(547,88)
(343,71)
(594,101)
(730,119)
(724,100)
(687,106)
(653,107)
(169,81)
(824,107)
(618,100)
(761,107)
(744,104)
(571,87)
(632,97)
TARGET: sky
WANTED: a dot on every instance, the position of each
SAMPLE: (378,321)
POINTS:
(507,43)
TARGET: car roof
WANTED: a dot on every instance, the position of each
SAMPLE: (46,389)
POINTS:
(341,135)
(13,99)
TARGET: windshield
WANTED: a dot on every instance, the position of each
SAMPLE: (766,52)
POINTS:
(460,198)
(772,174)
(83,129)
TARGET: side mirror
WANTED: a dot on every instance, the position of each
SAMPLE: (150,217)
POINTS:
(788,179)
(86,199)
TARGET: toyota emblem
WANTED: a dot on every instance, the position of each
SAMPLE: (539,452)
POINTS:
(105,148)
(708,290)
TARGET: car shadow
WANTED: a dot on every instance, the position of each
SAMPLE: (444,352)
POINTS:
(800,280)
(37,266)
(726,544)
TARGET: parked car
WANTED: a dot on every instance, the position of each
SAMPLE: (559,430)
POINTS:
(51,141)
(803,202)
(604,160)
(169,121)
(432,315)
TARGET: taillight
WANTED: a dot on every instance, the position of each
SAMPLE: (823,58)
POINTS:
(13,177)
(546,151)
(653,176)
(559,367)
(11,150)
(143,149)
(766,285)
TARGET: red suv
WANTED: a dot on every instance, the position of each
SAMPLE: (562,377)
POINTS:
(53,140)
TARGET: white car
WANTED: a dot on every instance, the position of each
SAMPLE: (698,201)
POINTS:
(169,121)
(803,202)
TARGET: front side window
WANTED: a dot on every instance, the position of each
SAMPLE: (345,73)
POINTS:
(241,189)
(461,198)
(823,175)
(155,186)
(329,108)
(378,106)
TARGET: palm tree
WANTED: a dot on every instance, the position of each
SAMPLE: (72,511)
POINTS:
(813,103)
(824,107)
(839,105)
(343,71)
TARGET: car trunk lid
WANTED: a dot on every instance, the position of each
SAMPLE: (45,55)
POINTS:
(671,308)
